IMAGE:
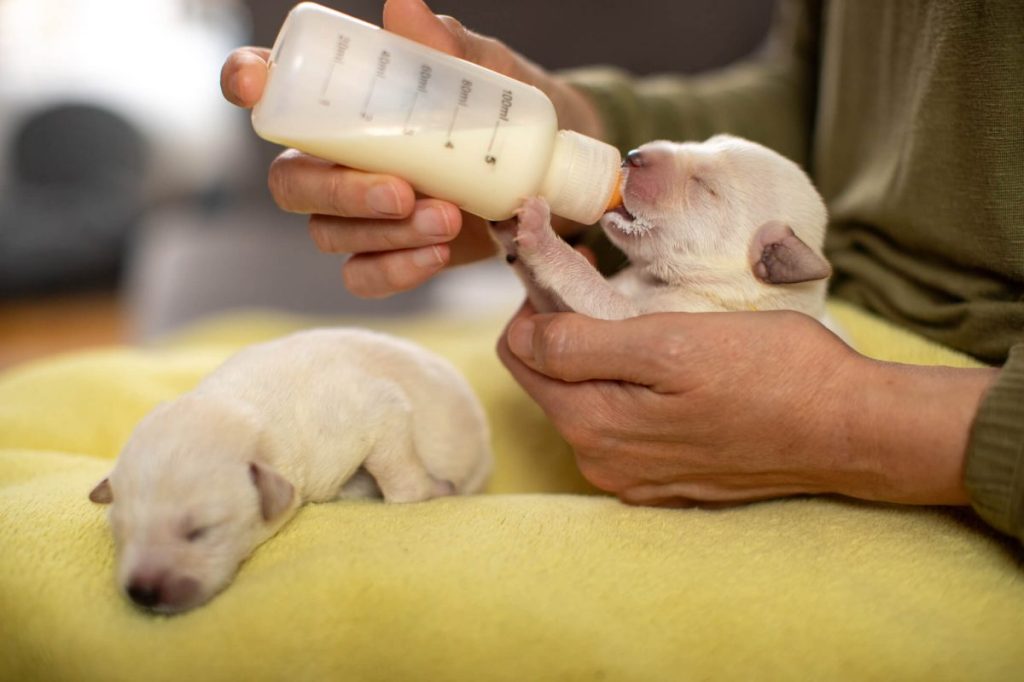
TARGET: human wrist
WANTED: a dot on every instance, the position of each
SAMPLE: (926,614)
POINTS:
(912,429)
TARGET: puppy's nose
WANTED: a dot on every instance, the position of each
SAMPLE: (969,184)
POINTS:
(634,158)
(143,594)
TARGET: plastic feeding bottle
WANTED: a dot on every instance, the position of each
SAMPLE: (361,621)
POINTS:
(347,91)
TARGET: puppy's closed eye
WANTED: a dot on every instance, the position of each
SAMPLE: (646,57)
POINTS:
(194,532)
(197,534)
(697,186)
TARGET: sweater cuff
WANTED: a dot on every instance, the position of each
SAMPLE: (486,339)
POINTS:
(994,474)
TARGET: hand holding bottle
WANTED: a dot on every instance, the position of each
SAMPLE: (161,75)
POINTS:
(398,240)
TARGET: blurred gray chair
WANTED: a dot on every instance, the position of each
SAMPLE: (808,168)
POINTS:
(73,197)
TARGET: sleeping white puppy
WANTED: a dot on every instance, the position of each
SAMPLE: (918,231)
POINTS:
(322,414)
(722,225)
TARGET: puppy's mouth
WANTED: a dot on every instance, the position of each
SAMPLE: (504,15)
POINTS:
(624,212)
(624,221)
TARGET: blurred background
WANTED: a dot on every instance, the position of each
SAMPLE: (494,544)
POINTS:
(133,198)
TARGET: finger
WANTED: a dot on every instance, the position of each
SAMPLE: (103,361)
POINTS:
(301,183)
(431,222)
(376,275)
(413,19)
(641,350)
(244,75)
(556,398)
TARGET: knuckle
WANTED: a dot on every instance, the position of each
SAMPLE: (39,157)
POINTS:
(501,57)
(463,36)
(336,195)
(597,473)
(458,37)
(390,240)
(576,435)
(360,280)
(553,342)
(670,350)
(392,275)
(322,236)
(396,274)
(582,436)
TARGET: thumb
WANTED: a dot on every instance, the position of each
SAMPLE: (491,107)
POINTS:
(412,19)
(573,347)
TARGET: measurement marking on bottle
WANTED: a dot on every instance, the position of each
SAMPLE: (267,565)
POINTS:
(506,104)
(382,69)
(465,87)
(340,48)
(489,158)
(421,89)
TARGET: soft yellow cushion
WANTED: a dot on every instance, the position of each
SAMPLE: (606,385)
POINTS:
(513,585)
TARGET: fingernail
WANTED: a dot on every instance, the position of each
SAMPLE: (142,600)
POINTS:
(433,223)
(520,338)
(383,198)
(427,257)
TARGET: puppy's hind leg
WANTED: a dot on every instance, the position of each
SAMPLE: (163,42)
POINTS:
(395,466)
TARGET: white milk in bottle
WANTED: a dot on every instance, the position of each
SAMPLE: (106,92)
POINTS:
(347,91)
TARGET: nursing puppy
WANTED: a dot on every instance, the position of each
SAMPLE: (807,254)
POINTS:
(715,226)
(321,414)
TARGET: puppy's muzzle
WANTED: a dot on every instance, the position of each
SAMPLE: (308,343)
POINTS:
(162,591)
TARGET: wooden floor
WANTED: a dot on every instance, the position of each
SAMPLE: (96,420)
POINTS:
(35,328)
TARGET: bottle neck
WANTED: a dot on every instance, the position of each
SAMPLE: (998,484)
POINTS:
(583,177)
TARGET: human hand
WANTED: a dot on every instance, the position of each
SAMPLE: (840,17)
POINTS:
(682,408)
(398,240)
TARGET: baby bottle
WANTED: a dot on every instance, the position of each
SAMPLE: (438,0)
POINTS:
(347,91)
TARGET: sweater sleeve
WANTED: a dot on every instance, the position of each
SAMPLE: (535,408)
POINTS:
(768,98)
(994,471)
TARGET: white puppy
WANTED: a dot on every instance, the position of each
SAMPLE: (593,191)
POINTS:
(715,226)
(321,414)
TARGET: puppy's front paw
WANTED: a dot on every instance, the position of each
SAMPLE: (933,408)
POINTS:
(533,225)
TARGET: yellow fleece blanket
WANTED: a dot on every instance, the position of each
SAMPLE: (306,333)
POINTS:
(536,580)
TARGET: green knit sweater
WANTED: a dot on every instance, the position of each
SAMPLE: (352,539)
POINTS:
(909,116)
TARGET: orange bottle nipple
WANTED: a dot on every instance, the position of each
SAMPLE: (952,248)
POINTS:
(615,200)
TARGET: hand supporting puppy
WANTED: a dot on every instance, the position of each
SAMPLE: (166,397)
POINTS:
(397,240)
(680,408)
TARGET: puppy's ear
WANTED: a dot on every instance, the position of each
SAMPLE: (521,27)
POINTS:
(275,492)
(102,494)
(778,256)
